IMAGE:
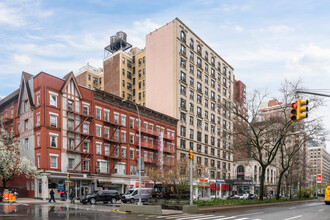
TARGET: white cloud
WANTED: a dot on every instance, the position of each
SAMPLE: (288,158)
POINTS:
(22,59)
(10,16)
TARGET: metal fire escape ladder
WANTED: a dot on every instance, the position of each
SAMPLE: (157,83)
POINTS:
(115,160)
(86,117)
(87,136)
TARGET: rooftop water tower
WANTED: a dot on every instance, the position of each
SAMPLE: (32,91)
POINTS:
(117,42)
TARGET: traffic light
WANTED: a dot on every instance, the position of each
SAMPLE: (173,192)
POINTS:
(191,155)
(302,109)
(68,176)
(294,112)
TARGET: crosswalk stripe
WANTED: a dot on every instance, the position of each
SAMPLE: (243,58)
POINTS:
(241,218)
(231,217)
(201,217)
(182,216)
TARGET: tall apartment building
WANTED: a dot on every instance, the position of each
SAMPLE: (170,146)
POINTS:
(93,135)
(179,75)
(319,163)
(91,77)
(188,80)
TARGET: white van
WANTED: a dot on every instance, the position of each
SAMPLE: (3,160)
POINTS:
(132,195)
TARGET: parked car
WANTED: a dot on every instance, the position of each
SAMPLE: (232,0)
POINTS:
(132,195)
(104,196)
(243,196)
(233,197)
(252,196)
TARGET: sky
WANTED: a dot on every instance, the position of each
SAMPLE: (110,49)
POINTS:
(265,41)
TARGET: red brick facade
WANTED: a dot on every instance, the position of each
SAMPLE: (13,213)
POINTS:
(81,131)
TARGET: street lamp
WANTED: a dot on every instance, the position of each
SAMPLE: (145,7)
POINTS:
(139,163)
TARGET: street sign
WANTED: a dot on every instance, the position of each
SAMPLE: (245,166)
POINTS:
(319,178)
(220,181)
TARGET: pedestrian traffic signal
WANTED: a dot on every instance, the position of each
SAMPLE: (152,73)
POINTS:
(302,109)
(191,155)
(294,112)
(68,176)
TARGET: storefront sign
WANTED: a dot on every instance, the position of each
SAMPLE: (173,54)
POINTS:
(60,188)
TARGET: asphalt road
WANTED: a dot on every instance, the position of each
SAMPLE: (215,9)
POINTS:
(313,210)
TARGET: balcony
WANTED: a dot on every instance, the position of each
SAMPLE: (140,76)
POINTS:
(149,160)
(150,132)
(147,145)
(112,123)
(112,140)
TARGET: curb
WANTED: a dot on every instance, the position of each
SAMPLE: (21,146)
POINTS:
(206,209)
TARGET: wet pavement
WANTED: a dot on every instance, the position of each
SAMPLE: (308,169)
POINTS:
(58,211)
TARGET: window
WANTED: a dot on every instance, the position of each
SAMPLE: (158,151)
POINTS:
(206,56)
(183,131)
(191,107)
(191,120)
(86,165)
(71,143)
(53,120)
(86,147)
(116,118)
(123,136)
(183,143)
(183,90)
(183,36)
(106,132)
(199,87)
(38,160)
(26,143)
(53,140)
(183,77)
(199,136)
(191,94)
(131,154)
(123,152)
(131,122)
(123,120)
(71,163)
(206,67)
(98,113)
(26,124)
(106,149)
(86,128)
(191,69)
(191,57)
(53,161)
(38,99)
(98,148)
(191,134)
(182,116)
(85,109)
(199,50)
(183,103)
(199,99)
(120,168)
(70,105)
(183,63)
(70,124)
(133,170)
(191,43)
(199,111)
(38,140)
(98,130)
(131,138)
(183,50)
(53,99)
(199,62)
(102,166)
(38,119)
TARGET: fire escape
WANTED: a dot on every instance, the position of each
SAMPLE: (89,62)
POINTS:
(114,141)
(85,135)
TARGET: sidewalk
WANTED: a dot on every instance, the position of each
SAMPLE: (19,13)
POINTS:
(36,201)
(206,209)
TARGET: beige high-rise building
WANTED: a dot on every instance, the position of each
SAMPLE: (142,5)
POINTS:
(319,160)
(90,77)
(190,81)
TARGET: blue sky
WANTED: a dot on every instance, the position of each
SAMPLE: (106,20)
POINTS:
(265,41)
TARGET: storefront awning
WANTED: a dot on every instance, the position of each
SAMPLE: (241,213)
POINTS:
(104,181)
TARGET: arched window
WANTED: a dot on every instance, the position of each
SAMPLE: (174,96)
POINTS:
(224,71)
(219,66)
(206,56)
(212,61)
(191,43)
(240,172)
(183,36)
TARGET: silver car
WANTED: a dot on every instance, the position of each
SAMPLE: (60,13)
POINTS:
(132,195)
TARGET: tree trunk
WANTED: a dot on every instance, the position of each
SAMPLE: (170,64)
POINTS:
(262,183)
(4,181)
(279,184)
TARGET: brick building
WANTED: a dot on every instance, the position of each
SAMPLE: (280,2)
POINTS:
(93,135)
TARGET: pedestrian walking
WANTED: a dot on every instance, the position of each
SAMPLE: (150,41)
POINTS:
(71,196)
(16,194)
(52,197)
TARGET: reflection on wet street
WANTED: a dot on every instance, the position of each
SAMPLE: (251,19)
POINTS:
(53,211)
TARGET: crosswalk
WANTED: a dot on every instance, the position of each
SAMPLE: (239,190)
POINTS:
(206,217)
